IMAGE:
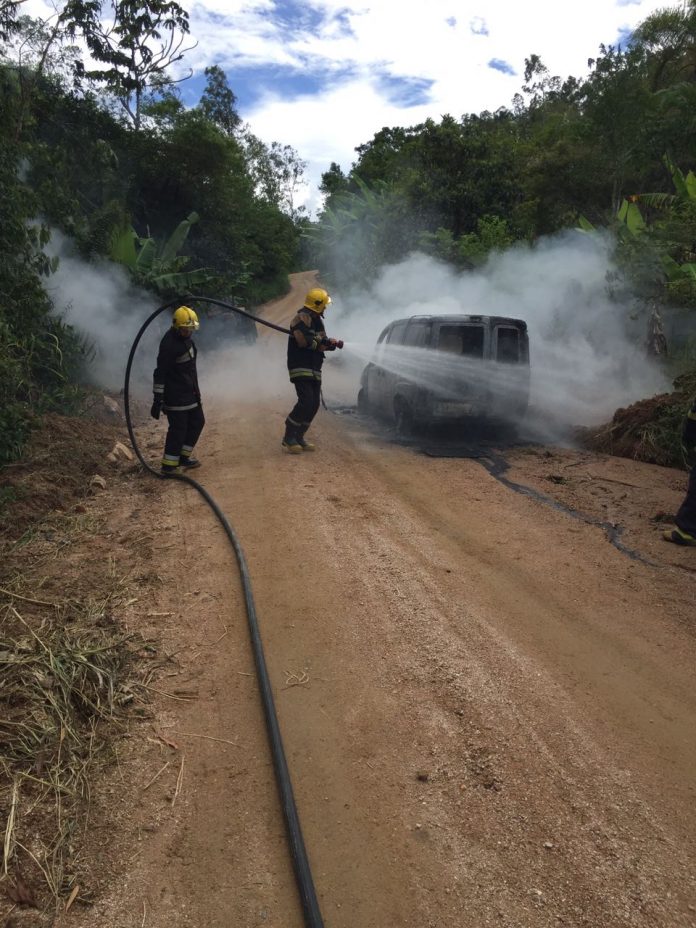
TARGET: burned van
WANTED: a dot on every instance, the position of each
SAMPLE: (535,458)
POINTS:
(427,369)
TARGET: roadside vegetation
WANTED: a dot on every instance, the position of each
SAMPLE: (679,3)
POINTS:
(188,198)
(613,150)
(568,152)
(110,156)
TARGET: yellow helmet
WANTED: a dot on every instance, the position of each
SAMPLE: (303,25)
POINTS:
(185,318)
(317,300)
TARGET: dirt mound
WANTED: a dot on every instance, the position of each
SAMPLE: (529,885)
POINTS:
(649,430)
(54,473)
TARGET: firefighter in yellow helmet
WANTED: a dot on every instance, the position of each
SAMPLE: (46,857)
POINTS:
(306,346)
(176,392)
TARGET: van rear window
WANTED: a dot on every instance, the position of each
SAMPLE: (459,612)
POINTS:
(508,345)
(461,339)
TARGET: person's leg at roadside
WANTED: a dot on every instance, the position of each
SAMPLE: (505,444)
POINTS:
(312,409)
(173,443)
(296,421)
(685,520)
(194,427)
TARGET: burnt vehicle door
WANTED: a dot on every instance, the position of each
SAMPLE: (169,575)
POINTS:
(371,379)
(510,352)
(387,369)
(458,384)
(412,385)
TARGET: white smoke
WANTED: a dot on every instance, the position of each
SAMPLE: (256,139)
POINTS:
(100,301)
(245,374)
(587,351)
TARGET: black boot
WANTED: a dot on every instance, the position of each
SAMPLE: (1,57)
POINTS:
(302,441)
(290,442)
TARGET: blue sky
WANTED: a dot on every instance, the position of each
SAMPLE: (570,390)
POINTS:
(325,75)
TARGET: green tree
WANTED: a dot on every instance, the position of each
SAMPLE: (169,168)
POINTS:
(8,17)
(39,355)
(613,96)
(669,37)
(218,102)
(333,181)
(276,170)
(142,40)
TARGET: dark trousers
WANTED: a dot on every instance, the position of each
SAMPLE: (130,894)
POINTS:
(686,516)
(183,433)
(305,409)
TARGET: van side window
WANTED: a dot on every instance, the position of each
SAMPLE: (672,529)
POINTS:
(464,340)
(396,335)
(507,345)
(416,334)
(379,347)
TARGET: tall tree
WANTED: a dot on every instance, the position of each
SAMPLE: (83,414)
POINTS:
(8,17)
(669,36)
(135,45)
(333,181)
(276,170)
(218,102)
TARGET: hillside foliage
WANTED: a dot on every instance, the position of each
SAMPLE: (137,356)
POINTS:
(564,149)
(107,153)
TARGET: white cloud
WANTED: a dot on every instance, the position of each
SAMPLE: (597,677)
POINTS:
(438,41)
(351,47)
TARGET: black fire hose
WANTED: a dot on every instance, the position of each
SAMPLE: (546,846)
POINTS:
(303,873)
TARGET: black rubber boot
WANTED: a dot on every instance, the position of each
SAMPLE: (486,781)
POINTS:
(302,441)
(290,442)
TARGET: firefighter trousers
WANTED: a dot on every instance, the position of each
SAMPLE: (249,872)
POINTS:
(185,427)
(305,409)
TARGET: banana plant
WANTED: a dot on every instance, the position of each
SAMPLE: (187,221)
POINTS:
(631,222)
(159,265)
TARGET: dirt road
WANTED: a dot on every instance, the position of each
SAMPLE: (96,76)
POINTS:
(488,710)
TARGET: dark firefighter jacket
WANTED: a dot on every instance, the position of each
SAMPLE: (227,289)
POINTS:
(306,346)
(175,377)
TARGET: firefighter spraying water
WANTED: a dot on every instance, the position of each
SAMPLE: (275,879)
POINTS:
(306,346)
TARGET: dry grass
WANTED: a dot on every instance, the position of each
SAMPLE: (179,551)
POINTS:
(66,682)
(649,430)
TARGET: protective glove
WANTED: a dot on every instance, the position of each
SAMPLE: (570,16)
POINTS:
(156,407)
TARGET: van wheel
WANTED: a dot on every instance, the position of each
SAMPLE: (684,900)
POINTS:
(363,403)
(403,417)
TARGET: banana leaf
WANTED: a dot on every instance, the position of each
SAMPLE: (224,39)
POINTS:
(177,238)
(630,214)
(182,281)
(146,256)
(122,247)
